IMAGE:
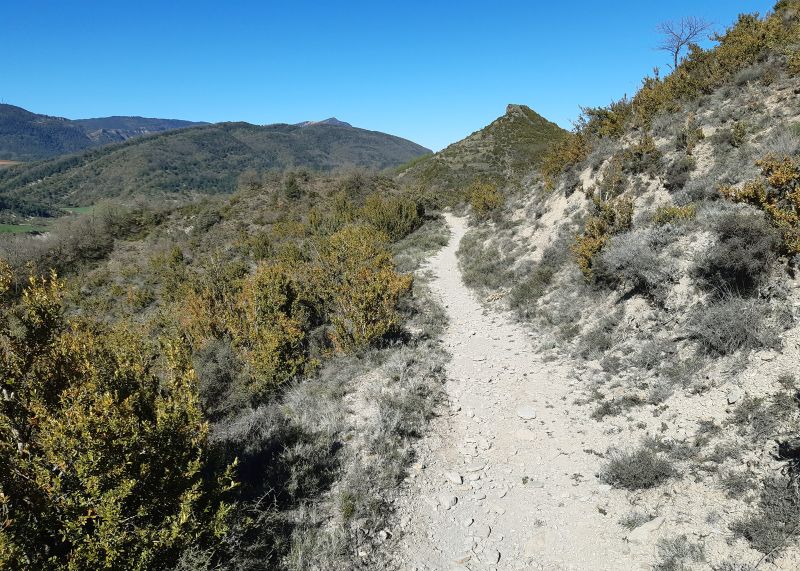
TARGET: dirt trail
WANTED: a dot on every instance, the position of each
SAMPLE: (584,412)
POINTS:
(506,478)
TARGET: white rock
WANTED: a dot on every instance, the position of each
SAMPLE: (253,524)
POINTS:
(526,412)
(454,478)
(447,501)
(481,530)
(491,556)
(642,533)
(735,395)
(534,546)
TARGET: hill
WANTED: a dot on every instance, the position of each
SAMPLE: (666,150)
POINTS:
(200,160)
(114,129)
(654,262)
(507,149)
(27,136)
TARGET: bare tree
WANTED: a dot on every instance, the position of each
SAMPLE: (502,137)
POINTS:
(679,34)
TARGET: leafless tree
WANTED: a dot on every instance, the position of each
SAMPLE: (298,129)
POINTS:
(679,34)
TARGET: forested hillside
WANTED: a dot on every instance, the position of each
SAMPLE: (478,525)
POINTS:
(197,161)
(26,136)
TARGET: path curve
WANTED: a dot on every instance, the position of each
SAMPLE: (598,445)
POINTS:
(506,477)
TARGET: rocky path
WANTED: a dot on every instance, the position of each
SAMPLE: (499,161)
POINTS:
(506,478)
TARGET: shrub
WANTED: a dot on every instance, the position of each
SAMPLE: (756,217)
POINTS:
(609,121)
(220,373)
(270,323)
(688,137)
(734,136)
(361,288)
(784,141)
(643,157)
(528,291)
(610,217)
(636,470)
(778,196)
(679,173)
(669,214)
(775,520)
(742,255)
(103,447)
(793,63)
(676,552)
(567,152)
(396,217)
(631,259)
(730,324)
(484,198)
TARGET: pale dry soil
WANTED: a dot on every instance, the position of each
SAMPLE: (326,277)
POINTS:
(507,477)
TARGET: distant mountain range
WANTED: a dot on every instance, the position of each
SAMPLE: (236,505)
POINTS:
(26,136)
(197,160)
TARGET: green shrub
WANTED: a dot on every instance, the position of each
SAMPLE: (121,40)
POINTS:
(104,449)
(778,195)
(484,198)
(609,217)
(669,214)
(395,216)
(571,150)
(643,157)
(361,287)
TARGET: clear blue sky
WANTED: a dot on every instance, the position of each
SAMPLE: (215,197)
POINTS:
(430,71)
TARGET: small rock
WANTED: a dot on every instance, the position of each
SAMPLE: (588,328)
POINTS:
(642,533)
(466,522)
(475,467)
(526,412)
(735,395)
(454,478)
(448,501)
(491,556)
(481,530)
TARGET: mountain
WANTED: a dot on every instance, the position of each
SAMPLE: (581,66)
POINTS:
(121,128)
(206,160)
(27,136)
(508,148)
(328,121)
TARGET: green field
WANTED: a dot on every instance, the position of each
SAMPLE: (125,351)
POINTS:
(79,209)
(20,228)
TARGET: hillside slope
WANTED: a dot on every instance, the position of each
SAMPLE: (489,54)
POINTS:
(201,160)
(504,150)
(656,260)
(26,136)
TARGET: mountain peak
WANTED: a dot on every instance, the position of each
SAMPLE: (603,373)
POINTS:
(328,121)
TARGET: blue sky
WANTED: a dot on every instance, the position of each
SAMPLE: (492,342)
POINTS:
(430,71)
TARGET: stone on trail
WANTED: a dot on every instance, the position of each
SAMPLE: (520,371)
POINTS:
(735,395)
(526,412)
(642,533)
(453,478)
(448,501)
(481,530)
(534,546)
(491,556)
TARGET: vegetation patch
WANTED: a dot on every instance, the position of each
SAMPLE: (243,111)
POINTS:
(637,469)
